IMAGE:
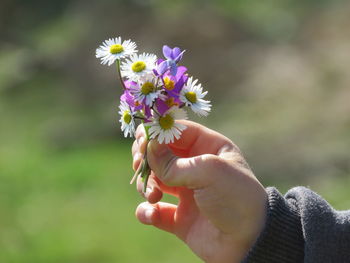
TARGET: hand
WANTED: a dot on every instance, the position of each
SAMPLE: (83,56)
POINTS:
(222,206)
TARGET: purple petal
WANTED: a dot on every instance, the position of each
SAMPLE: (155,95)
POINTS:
(126,96)
(130,84)
(155,72)
(148,112)
(180,83)
(175,97)
(173,69)
(179,57)
(167,52)
(161,106)
(130,100)
(123,98)
(175,52)
(160,60)
(162,67)
(180,71)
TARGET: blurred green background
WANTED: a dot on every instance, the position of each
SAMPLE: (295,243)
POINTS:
(277,73)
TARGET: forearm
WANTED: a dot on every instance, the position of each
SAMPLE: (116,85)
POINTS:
(281,240)
(302,227)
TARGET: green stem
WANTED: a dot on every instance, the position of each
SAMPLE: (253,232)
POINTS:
(146,131)
(146,170)
(120,74)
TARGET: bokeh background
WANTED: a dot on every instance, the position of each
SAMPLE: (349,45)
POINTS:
(278,75)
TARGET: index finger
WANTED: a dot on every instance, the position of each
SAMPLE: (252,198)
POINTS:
(195,140)
(198,139)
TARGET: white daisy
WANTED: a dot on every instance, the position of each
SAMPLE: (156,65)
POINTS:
(146,91)
(138,66)
(166,127)
(113,49)
(126,119)
(192,95)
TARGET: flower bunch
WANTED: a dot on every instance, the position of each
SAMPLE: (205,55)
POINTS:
(156,91)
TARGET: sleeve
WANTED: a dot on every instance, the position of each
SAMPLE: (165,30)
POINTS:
(301,227)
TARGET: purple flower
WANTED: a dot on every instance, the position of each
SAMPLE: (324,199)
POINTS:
(173,84)
(162,106)
(148,113)
(164,103)
(173,56)
(129,98)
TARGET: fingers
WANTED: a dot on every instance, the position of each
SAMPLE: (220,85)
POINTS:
(153,192)
(193,172)
(193,141)
(160,215)
(198,139)
(140,131)
(138,147)
(155,189)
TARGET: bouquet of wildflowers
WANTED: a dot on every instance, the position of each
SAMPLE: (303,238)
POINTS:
(155,92)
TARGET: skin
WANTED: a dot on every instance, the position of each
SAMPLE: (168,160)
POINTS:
(222,206)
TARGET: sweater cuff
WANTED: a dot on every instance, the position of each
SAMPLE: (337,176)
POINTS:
(282,238)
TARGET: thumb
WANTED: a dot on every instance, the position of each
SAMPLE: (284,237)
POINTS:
(193,172)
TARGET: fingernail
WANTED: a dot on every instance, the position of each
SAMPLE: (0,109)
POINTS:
(148,192)
(140,140)
(137,156)
(148,215)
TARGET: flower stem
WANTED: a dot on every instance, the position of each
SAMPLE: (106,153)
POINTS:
(120,74)
(146,170)
(138,117)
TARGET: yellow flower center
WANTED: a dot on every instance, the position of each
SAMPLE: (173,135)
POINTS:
(191,96)
(166,122)
(170,102)
(127,117)
(116,49)
(147,88)
(138,66)
(168,83)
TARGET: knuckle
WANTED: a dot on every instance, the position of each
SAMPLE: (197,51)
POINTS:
(134,147)
(139,186)
(136,163)
(215,167)
(239,162)
(210,161)
(167,172)
(229,146)
(140,131)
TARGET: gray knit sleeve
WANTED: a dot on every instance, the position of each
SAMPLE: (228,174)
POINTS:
(302,227)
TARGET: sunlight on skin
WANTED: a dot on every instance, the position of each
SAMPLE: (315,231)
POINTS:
(222,206)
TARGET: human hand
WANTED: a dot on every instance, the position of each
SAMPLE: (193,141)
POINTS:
(222,206)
